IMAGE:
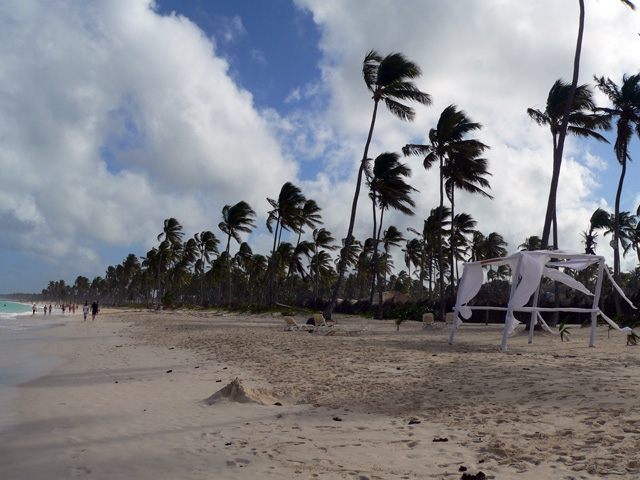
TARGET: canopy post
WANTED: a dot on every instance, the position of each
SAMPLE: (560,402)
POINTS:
(532,322)
(596,302)
(453,324)
(514,284)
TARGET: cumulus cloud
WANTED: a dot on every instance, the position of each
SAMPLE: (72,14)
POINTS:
(113,118)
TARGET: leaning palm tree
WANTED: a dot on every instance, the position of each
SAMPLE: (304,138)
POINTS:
(564,125)
(412,255)
(321,239)
(465,171)
(207,244)
(285,214)
(446,142)
(389,79)
(171,234)
(625,109)
(388,190)
(583,122)
(235,219)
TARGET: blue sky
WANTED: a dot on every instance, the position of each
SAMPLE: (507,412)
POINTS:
(117,114)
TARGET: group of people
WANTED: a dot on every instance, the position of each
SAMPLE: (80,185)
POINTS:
(94,308)
(44,308)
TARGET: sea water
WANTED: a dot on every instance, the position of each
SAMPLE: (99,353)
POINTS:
(19,360)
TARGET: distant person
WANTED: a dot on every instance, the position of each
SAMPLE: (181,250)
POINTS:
(49,309)
(95,308)
(44,307)
(63,308)
(33,309)
(85,310)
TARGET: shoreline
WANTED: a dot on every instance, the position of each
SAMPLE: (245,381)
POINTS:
(130,401)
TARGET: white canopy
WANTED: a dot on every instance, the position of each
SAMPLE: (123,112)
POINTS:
(527,269)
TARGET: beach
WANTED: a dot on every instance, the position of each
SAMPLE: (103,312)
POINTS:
(195,395)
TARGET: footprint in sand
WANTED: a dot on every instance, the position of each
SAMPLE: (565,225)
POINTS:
(79,471)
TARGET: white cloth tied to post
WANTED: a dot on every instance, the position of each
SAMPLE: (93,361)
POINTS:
(530,268)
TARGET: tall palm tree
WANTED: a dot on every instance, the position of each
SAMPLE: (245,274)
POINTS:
(207,244)
(412,255)
(447,142)
(389,79)
(583,122)
(463,225)
(557,157)
(235,219)
(625,109)
(388,190)
(285,214)
(465,171)
(321,239)
(392,238)
(429,236)
(171,234)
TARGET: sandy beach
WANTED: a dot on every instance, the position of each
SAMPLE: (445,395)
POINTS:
(139,396)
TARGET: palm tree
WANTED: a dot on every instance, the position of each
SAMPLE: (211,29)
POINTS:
(412,255)
(235,219)
(388,189)
(392,238)
(171,234)
(321,239)
(557,157)
(388,79)
(429,237)
(285,213)
(463,224)
(531,244)
(625,108)
(207,245)
(581,124)
(447,142)
(600,220)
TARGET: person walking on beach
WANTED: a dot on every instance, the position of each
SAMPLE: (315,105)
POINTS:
(49,309)
(94,310)
(34,309)
(85,310)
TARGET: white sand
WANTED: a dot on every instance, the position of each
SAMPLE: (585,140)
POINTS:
(131,402)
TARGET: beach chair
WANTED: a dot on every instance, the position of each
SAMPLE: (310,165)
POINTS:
(338,329)
(292,325)
(448,318)
(320,321)
(428,320)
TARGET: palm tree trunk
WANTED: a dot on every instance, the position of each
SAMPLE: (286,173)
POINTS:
(375,255)
(381,282)
(273,261)
(557,154)
(342,266)
(441,310)
(229,269)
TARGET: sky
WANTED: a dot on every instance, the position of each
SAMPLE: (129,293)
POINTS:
(118,114)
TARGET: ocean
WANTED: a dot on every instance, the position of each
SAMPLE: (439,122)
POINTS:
(19,360)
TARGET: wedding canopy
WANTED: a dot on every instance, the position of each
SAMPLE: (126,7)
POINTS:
(527,270)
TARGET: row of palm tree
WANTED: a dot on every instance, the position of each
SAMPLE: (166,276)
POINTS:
(570,109)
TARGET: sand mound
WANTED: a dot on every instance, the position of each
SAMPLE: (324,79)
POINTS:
(236,391)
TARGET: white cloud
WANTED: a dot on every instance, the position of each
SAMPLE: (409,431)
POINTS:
(114,118)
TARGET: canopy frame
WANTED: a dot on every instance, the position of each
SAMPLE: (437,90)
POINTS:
(528,268)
